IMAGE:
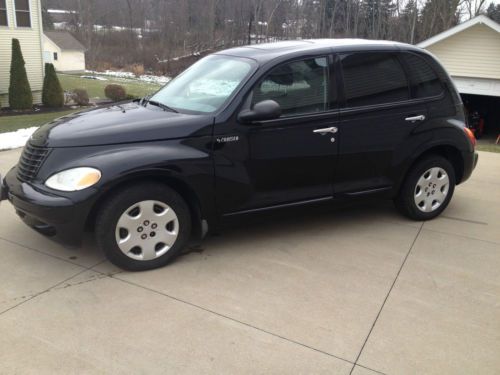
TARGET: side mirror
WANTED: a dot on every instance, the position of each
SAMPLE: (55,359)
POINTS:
(261,111)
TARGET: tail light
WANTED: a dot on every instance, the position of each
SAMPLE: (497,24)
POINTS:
(471,136)
(465,113)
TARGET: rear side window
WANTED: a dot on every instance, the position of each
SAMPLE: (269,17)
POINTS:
(298,87)
(423,79)
(373,78)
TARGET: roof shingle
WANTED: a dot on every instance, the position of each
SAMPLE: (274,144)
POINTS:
(64,40)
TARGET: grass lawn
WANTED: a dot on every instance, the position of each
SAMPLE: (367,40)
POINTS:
(488,147)
(13,123)
(95,88)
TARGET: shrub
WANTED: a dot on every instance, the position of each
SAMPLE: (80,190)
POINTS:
(20,96)
(52,93)
(137,69)
(80,96)
(102,66)
(115,92)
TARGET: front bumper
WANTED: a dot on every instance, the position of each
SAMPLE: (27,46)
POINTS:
(49,214)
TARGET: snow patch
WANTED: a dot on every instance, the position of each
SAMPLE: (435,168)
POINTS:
(16,139)
(149,78)
(160,80)
(94,77)
(61,11)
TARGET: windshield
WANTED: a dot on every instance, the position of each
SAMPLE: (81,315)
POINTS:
(206,85)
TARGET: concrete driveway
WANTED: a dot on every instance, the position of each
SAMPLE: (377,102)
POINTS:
(357,289)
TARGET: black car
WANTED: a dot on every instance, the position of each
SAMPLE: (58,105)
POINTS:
(244,130)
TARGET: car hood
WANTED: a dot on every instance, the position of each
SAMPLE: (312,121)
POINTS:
(124,123)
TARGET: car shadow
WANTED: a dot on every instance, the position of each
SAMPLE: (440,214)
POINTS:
(283,222)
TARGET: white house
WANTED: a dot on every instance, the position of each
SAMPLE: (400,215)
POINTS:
(470,52)
(22,20)
(64,51)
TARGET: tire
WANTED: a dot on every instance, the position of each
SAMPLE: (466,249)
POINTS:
(424,196)
(143,227)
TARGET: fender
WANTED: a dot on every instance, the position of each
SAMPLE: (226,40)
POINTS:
(451,137)
(185,164)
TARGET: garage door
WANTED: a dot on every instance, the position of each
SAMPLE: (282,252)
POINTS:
(477,86)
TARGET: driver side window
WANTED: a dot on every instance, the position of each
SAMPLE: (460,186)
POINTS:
(298,87)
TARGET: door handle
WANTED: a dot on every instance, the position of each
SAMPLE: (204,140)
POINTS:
(323,131)
(415,118)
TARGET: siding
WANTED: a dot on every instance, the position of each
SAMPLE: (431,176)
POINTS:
(30,41)
(71,61)
(474,52)
(49,48)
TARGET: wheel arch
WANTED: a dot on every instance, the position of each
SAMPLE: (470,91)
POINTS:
(447,151)
(177,184)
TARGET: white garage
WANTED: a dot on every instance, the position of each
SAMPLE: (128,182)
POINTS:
(64,51)
(470,52)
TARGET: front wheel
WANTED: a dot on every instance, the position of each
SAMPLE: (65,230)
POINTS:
(427,189)
(143,227)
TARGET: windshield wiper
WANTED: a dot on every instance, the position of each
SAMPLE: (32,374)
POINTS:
(144,101)
(161,105)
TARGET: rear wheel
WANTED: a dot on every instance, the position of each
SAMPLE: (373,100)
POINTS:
(427,189)
(143,227)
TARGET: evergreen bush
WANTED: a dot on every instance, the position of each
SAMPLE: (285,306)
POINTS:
(20,96)
(52,94)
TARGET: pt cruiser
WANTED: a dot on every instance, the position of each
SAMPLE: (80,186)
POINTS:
(242,130)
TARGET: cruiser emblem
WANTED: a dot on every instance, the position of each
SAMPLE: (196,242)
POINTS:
(233,138)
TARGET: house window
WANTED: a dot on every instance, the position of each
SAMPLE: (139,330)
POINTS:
(55,56)
(3,13)
(23,18)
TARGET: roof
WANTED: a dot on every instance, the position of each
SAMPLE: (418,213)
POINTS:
(479,20)
(64,40)
(268,51)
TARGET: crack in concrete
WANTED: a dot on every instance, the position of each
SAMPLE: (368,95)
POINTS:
(59,287)
(45,253)
(53,287)
(241,322)
(103,275)
(386,298)
(42,292)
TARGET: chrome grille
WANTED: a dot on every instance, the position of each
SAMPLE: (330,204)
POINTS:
(30,162)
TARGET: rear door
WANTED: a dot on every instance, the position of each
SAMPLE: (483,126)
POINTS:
(289,159)
(377,117)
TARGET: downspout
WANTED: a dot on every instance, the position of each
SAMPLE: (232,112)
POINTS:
(40,26)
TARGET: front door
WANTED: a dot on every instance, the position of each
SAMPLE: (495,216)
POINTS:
(286,160)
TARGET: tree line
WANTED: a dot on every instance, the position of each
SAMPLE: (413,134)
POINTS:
(164,35)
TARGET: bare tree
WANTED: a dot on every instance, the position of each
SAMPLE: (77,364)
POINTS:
(165,35)
(473,8)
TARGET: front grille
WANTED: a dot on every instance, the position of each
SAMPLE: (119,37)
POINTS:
(30,162)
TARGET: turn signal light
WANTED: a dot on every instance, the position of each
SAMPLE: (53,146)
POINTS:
(471,136)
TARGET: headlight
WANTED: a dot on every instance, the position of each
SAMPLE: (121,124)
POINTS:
(74,179)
